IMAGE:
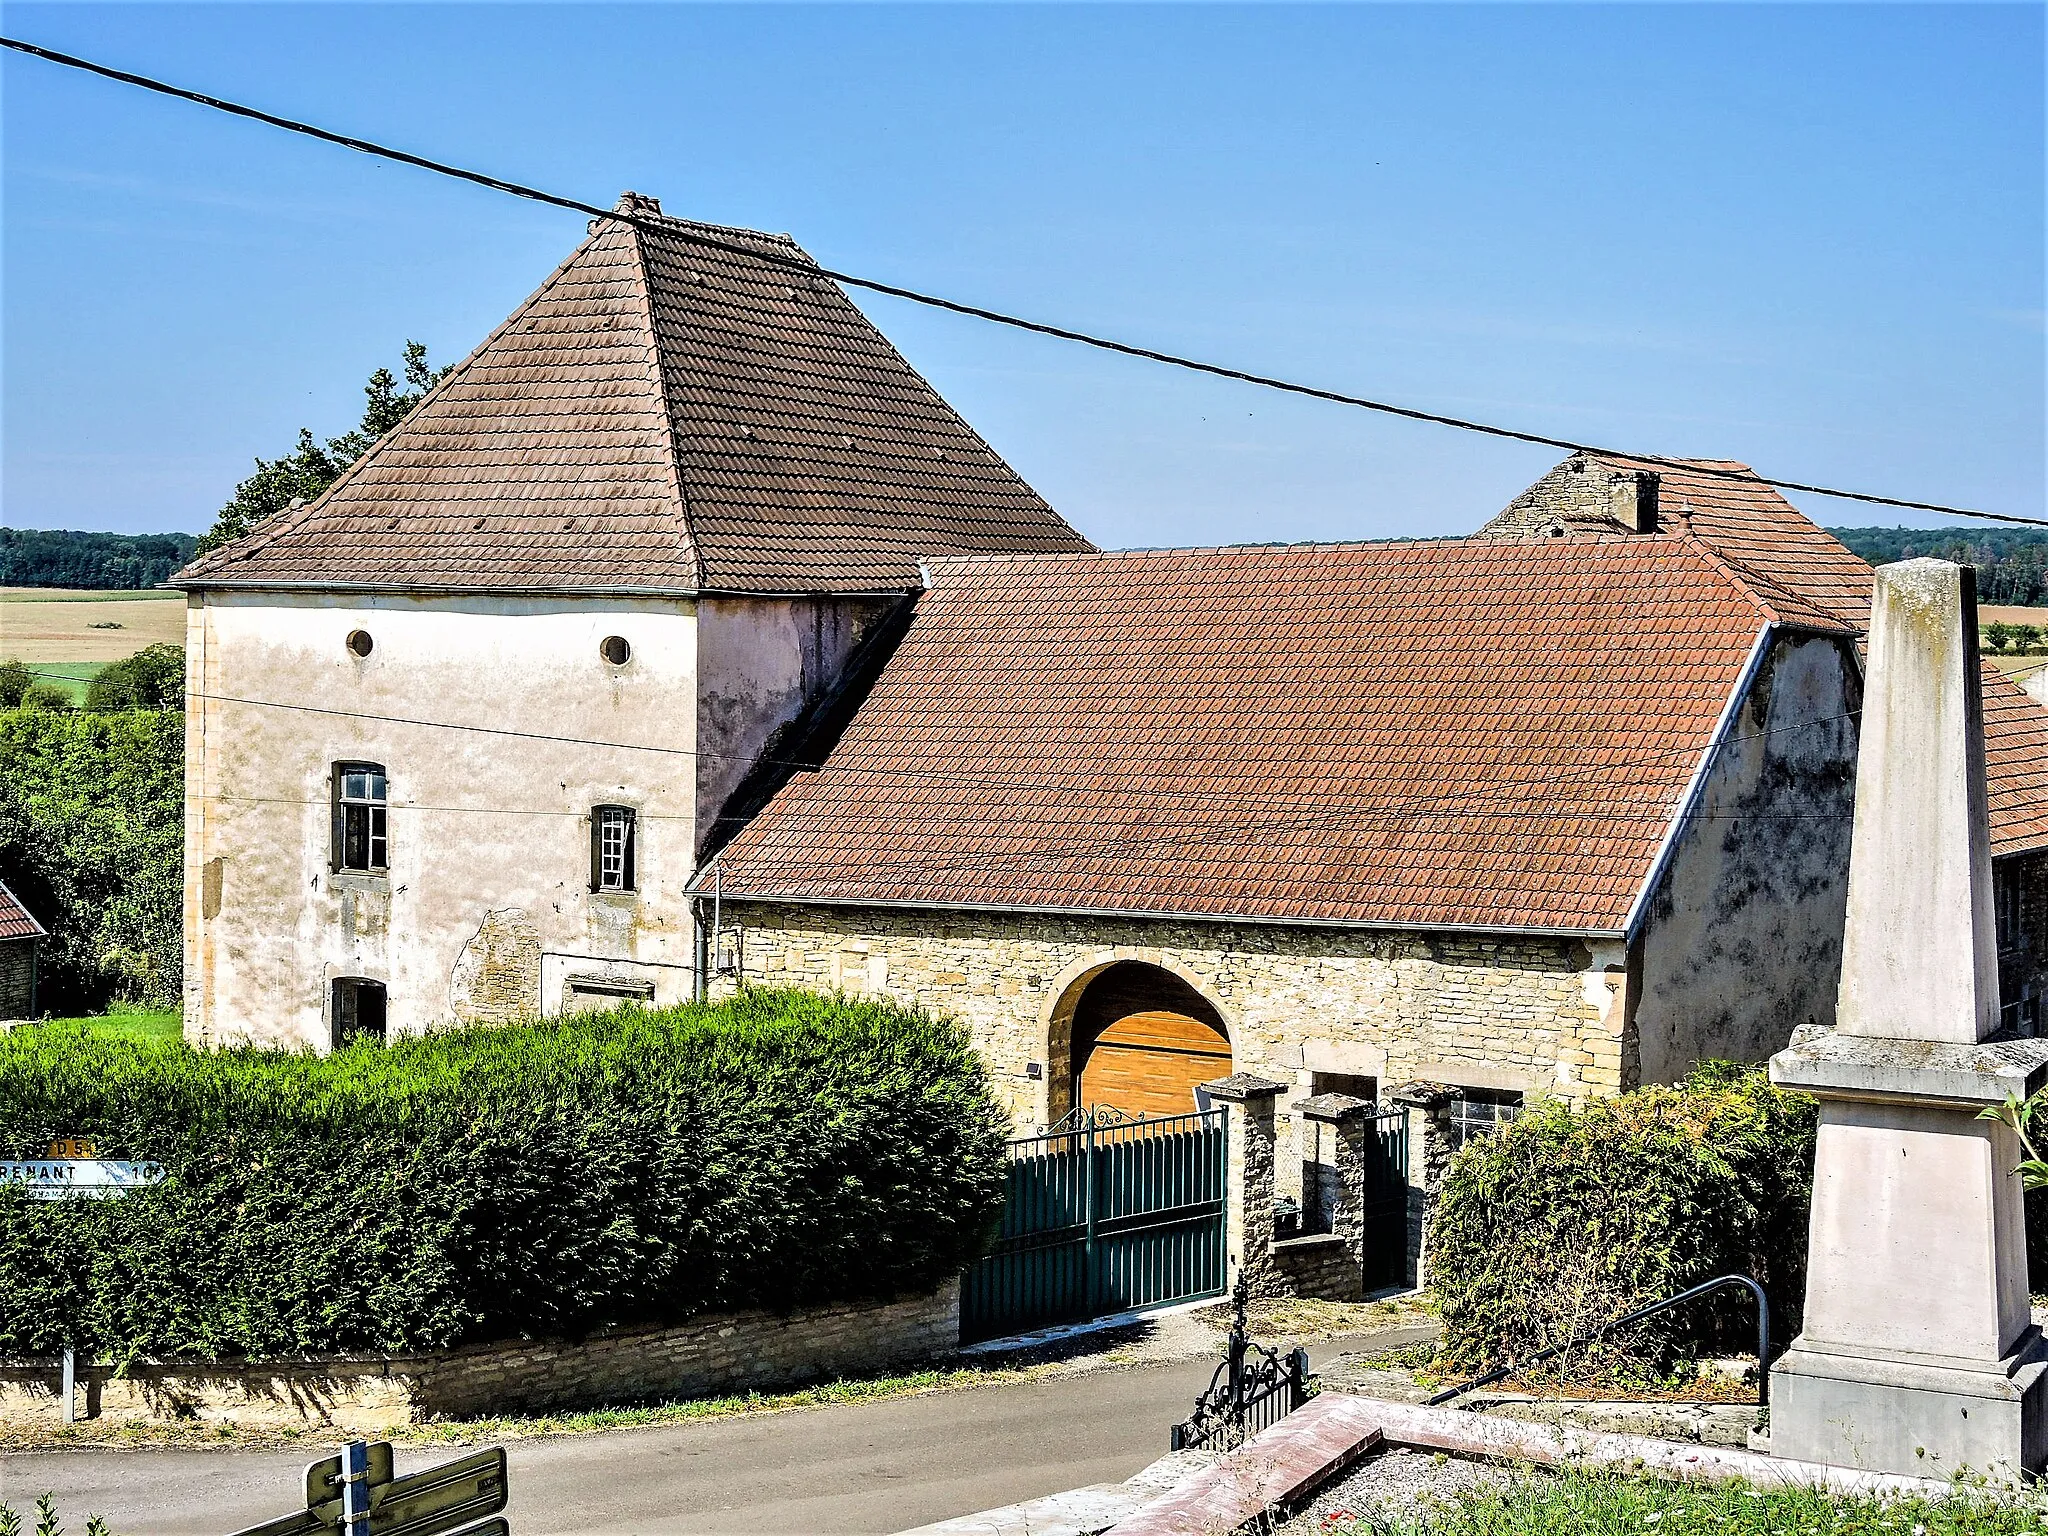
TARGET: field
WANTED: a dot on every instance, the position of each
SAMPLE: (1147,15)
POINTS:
(45,626)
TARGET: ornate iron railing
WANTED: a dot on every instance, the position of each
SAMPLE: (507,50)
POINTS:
(1253,1389)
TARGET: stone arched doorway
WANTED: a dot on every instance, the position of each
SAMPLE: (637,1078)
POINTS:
(1142,1039)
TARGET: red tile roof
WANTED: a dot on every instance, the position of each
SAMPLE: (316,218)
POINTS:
(662,417)
(1801,569)
(1446,734)
(15,922)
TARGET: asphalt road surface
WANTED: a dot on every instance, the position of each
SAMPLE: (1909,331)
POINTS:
(862,1467)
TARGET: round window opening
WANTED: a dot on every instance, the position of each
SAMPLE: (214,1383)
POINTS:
(360,642)
(615,650)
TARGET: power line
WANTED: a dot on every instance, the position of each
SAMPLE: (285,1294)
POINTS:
(671,230)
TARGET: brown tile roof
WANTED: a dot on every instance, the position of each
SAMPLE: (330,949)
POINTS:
(1805,572)
(1447,733)
(663,417)
(15,922)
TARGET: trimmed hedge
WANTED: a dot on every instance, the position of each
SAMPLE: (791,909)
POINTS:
(780,1150)
(1569,1217)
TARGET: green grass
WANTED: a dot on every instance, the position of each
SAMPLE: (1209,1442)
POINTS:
(138,1025)
(71,676)
(1584,1503)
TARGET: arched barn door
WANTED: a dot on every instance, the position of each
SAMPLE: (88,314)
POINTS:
(1143,1040)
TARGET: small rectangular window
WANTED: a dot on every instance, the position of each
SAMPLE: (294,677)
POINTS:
(361,833)
(611,848)
(2005,890)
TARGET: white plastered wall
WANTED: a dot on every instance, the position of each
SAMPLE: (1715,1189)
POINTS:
(490,838)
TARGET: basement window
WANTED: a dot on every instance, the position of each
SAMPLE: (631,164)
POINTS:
(356,1014)
(1479,1112)
(611,848)
(361,833)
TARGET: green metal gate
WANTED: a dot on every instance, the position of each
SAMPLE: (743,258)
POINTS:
(1386,1199)
(1103,1217)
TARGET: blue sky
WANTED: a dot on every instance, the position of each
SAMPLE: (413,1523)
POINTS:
(1809,237)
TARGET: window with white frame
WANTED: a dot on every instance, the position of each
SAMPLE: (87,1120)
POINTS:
(1478,1112)
(361,832)
(611,848)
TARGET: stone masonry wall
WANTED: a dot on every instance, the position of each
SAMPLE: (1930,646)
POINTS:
(17,978)
(1538,1015)
(731,1352)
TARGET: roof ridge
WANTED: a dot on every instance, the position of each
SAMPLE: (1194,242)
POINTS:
(685,527)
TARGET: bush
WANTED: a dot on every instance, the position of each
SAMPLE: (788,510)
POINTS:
(1569,1217)
(92,840)
(153,678)
(780,1150)
(15,681)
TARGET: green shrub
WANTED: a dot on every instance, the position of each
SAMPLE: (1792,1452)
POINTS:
(780,1150)
(15,681)
(92,821)
(1569,1217)
(153,678)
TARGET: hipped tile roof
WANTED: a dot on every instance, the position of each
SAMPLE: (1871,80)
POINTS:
(1452,733)
(1803,570)
(662,416)
(15,922)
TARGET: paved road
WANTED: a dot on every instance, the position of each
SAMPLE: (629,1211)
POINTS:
(865,1467)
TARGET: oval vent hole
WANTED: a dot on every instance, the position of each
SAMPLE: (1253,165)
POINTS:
(615,650)
(360,642)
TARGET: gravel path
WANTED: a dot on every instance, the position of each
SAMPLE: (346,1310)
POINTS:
(1392,1487)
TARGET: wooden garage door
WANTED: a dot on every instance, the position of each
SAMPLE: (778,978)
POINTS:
(1143,1040)
(1149,1063)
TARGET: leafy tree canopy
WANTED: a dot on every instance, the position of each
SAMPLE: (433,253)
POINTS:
(311,467)
(153,678)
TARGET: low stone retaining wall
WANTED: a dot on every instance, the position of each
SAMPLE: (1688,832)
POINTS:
(729,1352)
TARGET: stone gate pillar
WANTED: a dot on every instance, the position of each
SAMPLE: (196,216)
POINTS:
(1918,1353)
(1248,1195)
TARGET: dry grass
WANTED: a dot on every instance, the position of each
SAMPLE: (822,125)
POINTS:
(39,625)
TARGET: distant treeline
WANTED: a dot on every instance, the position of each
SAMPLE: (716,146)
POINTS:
(107,562)
(2012,564)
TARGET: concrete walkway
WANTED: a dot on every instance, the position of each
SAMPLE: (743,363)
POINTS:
(867,1467)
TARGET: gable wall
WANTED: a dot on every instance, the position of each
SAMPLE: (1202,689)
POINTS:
(1742,944)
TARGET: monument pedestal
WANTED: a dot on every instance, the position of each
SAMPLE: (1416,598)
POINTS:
(1919,1354)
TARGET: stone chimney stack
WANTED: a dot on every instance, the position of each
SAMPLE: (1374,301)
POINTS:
(1632,499)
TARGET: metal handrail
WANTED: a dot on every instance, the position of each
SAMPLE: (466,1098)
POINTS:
(1763,1339)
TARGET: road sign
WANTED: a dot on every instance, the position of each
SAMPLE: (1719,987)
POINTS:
(436,1501)
(78,1178)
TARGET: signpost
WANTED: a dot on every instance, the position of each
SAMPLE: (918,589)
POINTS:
(74,1171)
(357,1494)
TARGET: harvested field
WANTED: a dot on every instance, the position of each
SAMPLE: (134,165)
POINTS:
(39,624)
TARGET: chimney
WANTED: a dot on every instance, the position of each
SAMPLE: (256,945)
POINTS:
(1632,499)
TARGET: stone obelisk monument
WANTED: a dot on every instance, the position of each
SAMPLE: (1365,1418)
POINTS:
(1918,1353)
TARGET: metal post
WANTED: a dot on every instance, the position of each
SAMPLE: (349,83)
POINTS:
(355,1489)
(1092,1293)
(70,1385)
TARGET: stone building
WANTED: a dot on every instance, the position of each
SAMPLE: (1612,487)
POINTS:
(1558,809)
(457,729)
(20,933)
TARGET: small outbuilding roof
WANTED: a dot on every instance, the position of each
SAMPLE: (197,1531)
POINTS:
(662,416)
(15,921)
(1445,734)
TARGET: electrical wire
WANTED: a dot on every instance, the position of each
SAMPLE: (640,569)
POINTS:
(670,229)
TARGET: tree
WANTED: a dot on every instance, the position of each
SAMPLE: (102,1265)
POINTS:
(311,467)
(153,678)
(15,682)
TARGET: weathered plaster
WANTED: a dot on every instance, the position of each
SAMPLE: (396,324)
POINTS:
(1742,943)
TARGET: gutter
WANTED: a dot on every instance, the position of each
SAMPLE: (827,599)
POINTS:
(695,889)
(1696,786)
(430,589)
